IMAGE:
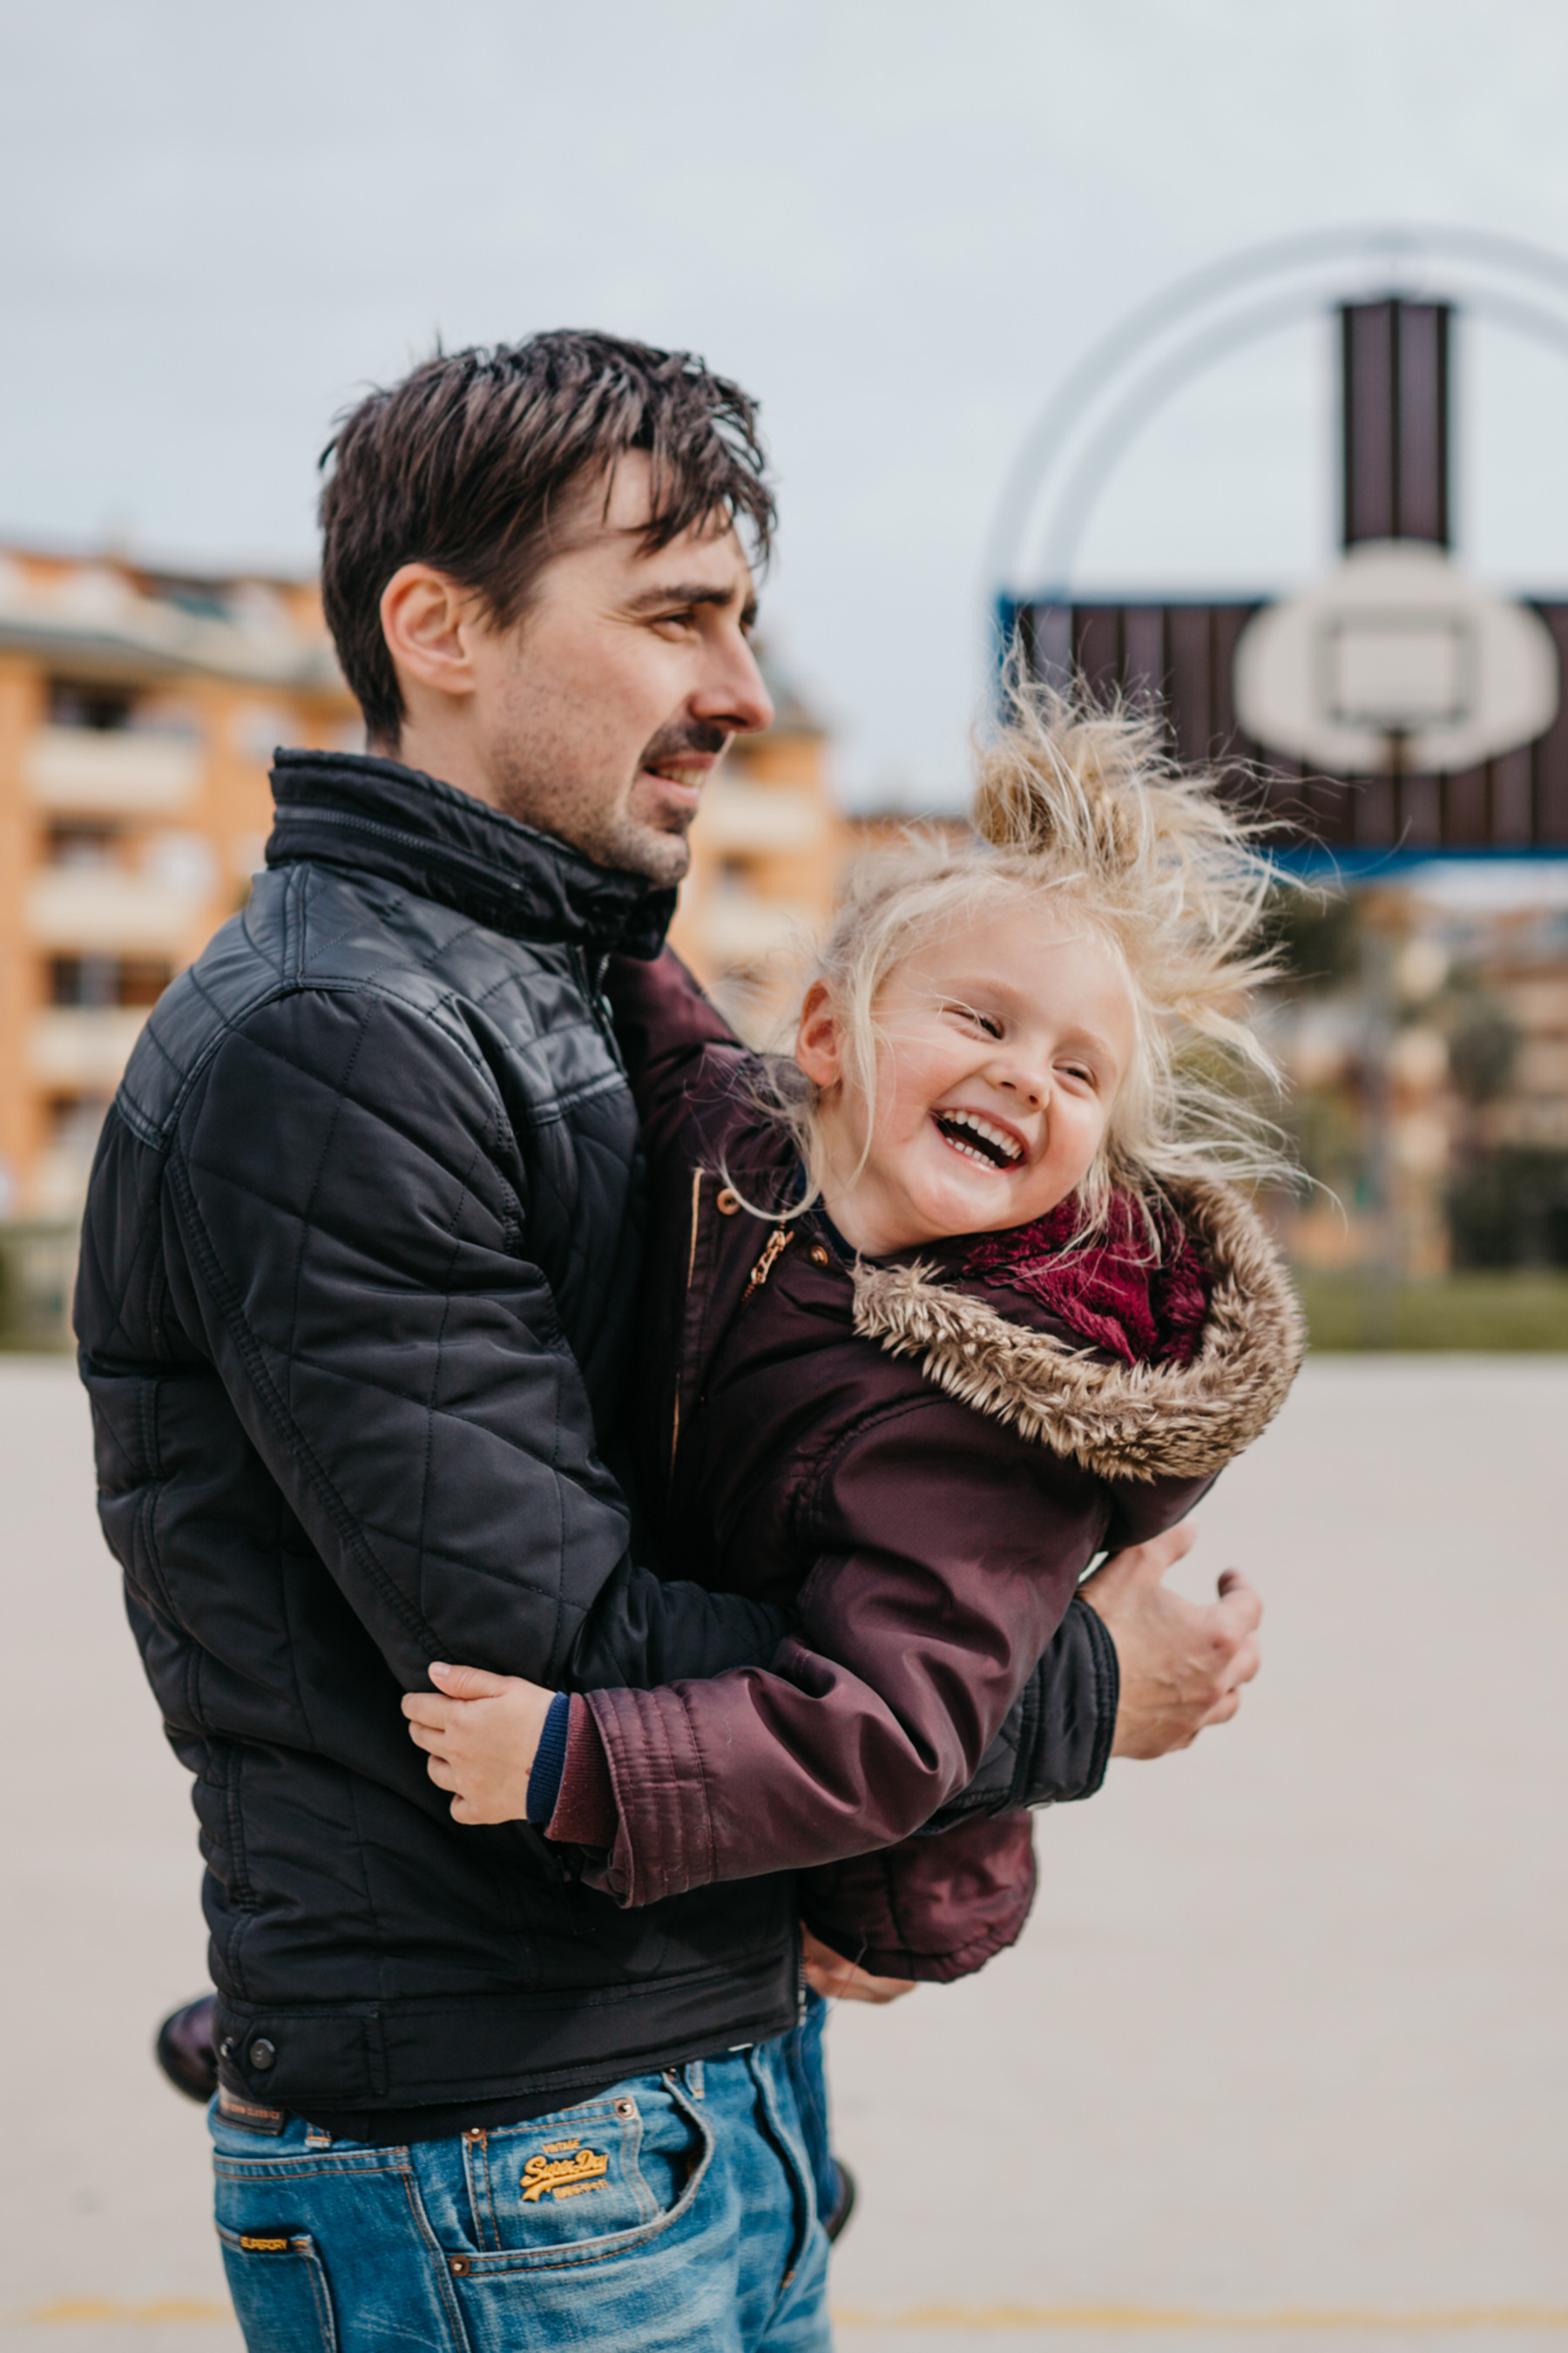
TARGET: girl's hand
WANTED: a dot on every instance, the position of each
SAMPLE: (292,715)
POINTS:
(480,1733)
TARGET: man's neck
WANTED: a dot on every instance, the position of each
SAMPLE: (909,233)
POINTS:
(447,753)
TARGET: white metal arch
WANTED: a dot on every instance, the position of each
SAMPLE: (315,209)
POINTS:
(1074,445)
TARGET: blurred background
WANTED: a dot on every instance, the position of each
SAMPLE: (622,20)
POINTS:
(1147,330)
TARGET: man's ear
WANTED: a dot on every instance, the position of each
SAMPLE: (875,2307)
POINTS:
(819,1045)
(428,620)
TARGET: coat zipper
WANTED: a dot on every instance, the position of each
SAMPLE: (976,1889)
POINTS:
(778,1242)
(685,1296)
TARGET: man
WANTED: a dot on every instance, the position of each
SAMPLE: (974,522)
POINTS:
(355,1314)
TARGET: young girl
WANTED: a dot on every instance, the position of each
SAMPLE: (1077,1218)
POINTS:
(956,1301)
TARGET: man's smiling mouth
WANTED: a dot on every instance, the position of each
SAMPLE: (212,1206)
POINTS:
(977,1139)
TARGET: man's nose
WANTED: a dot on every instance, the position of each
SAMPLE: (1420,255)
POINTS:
(732,694)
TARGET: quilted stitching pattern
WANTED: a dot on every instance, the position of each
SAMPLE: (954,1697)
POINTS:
(357,1288)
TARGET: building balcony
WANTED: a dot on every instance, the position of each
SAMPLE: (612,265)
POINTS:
(112,772)
(737,930)
(81,1049)
(741,819)
(108,911)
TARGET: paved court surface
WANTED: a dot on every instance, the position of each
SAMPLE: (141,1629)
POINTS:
(1283,2056)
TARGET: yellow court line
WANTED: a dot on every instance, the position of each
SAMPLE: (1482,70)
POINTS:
(100,2308)
(1131,2316)
(1126,2317)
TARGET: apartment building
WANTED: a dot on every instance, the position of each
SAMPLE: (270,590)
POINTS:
(138,710)
(766,855)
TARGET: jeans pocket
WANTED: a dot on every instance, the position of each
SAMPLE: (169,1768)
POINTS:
(280,2290)
(589,2181)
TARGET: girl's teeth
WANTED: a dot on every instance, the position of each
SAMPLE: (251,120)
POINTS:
(1005,1144)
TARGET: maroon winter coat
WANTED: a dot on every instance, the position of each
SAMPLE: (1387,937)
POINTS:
(920,1466)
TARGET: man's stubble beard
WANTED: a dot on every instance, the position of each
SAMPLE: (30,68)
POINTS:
(532,772)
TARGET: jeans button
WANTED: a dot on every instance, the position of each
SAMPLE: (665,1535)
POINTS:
(261,2053)
(458,2267)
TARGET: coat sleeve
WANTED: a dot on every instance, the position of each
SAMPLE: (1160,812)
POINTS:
(1055,1743)
(930,1908)
(347,1237)
(947,1554)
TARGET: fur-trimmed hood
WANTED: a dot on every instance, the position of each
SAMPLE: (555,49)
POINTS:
(1120,1421)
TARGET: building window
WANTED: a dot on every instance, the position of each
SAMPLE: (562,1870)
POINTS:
(74,1123)
(102,708)
(83,844)
(90,980)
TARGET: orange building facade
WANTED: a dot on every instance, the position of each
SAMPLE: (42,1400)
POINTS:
(138,716)
(139,712)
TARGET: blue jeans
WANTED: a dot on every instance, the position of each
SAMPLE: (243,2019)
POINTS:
(678,2210)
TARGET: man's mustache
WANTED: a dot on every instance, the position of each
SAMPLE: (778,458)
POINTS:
(690,735)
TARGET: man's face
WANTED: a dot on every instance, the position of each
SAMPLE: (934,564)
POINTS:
(604,710)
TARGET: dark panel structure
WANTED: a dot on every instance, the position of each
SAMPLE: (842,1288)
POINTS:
(1395,362)
(1177,657)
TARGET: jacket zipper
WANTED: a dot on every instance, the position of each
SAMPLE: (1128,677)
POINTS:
(685,1296)
(778,1242)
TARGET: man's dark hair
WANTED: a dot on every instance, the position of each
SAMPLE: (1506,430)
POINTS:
(465,463)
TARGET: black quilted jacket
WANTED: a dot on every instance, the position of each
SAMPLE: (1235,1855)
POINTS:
(357,1290)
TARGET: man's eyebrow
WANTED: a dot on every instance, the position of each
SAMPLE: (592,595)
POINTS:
(691,592)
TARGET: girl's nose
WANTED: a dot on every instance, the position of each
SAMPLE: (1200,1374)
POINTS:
(1031,1086)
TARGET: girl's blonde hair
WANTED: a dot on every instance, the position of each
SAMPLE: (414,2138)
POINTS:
(1082,802)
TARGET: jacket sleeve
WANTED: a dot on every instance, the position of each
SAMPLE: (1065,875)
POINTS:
(929,1908)
(1055,1743)
(947,1554)
(347,1229)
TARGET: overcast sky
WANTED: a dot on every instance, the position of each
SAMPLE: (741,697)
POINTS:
(898,223)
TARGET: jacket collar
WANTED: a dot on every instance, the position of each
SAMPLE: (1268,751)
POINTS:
(349,809)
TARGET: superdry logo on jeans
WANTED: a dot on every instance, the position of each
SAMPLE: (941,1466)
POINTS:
(549,2175)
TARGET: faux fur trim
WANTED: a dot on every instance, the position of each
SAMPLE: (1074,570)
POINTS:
(1120,1421)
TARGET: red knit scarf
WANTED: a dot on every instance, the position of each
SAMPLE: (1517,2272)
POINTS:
(1114,1290)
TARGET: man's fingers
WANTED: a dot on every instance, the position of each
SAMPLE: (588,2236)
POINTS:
(468,1683)
(1245,1663)
(1144,1564)
(431,1737)
(1238,1601)
(441,1773)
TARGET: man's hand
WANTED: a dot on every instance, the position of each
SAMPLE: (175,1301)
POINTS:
(1182,1664)
(837,1979)
(480,1733)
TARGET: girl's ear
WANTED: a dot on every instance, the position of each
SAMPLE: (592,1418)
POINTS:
(818,1048)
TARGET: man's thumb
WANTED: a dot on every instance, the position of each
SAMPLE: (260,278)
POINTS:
(1144,1564)
(466,1683)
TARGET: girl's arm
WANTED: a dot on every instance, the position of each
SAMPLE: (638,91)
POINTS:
(947,1556)
(930,1909)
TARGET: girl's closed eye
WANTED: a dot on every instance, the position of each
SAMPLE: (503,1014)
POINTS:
(985,1022)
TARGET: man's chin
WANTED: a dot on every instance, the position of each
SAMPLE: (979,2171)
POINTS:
(662,858)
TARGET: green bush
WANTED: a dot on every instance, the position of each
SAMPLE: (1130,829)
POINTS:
(1507,1310)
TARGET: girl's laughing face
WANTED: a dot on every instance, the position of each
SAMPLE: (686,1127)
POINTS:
(1000,1049)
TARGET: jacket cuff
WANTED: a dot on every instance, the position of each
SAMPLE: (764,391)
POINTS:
(544,1775)
(584,1813)
(663,1840)
(1106,1694)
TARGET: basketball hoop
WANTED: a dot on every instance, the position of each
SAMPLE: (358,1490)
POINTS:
(1397,661)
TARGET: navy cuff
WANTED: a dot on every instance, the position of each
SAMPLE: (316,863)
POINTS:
(549,1761)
